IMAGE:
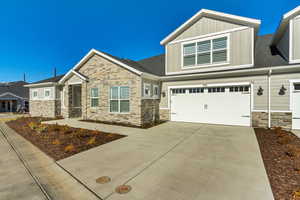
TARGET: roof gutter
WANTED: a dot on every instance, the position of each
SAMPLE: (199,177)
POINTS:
(41,84)
(294,68)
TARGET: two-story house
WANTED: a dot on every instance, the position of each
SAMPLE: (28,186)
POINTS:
(216,69)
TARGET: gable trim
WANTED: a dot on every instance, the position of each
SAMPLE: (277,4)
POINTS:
(93,52)
(9,93)
(205,12)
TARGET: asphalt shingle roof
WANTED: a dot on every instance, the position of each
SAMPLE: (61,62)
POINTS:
(265,56)
(53,80)
(16,88)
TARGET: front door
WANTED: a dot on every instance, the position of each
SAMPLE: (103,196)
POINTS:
(75,101)
(296,106)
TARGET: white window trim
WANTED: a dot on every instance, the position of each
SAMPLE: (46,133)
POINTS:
(156,96)
(37,94)
(292,82)
(144,90)
(63,97)
(211,63)
(119,100)
(47,90)
(91,98)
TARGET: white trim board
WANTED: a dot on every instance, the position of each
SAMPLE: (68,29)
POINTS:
(211,69)
(292,81)
(211,13)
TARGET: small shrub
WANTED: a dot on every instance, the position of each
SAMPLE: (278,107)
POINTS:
(69,148)
(81,133)
(33,125)
(296,195)
(293,151)
(284,140)
(91,141)
(41,129)
(56,142)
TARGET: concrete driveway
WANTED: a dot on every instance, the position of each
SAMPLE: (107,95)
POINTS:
(175,161)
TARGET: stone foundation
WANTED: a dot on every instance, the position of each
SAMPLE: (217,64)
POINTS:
(49,108)
(281,119)
(278,119)
(164,114)
(149,111)
(260,119)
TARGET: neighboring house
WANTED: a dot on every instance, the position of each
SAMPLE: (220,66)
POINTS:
(13,96)
(216,69)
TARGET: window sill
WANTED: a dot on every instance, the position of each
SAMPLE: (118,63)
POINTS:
(204,66)
(119,113)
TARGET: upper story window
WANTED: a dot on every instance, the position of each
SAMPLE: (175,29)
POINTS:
(205,52)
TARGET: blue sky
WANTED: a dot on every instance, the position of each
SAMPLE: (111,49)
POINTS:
(36,36)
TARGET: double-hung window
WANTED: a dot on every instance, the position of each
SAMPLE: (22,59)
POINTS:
(35,94)
(94,97)
(47,93)
(119,99)
(205,52)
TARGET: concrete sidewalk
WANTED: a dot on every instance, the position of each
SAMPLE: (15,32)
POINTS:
(174,161)
(58,184)
(15,181)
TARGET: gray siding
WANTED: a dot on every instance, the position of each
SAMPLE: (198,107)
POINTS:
(278,102)
(240,52)
(296,39)
(205,26)
(284,44)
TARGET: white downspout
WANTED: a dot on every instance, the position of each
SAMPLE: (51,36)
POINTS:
(269,98)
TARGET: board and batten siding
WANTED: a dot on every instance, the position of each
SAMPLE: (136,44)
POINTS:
(206,26)
(260,103)
(296,39)
(240,49)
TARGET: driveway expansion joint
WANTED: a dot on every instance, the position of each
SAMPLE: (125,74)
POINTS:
(157,159)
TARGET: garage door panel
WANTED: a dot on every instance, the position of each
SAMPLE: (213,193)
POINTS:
(229,108)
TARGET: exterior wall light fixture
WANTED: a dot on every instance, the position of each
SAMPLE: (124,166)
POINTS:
(260,91)
(282,90)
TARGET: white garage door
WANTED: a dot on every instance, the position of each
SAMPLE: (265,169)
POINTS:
(296,106)
(212,105)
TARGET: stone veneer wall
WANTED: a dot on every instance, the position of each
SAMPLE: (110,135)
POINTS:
(278,119)
(44,108)
(164,114)
(150,111)
(281,119)
(260,119)
(103,74)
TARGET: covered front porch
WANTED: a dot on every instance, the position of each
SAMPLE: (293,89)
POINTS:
(8,105)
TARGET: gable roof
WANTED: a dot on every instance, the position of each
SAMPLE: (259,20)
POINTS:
(284,22)
(15,89)
(128,64)
(213,14)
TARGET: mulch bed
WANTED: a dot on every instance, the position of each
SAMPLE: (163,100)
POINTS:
(146,126)
(280,163)
(59,141)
